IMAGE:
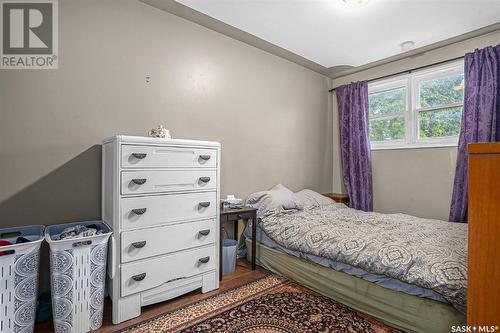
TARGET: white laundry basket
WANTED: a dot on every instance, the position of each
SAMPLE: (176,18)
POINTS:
(78,276)
(19,279)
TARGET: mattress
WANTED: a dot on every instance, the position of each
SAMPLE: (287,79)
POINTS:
(397,309)
(381,280)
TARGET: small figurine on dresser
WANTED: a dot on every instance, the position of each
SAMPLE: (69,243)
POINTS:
(160,132)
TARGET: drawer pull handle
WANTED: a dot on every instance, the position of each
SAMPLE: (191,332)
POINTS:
(139,211)
(205,157)
(204,232)
(139,156)
(204,260)
(139,277)
(139,181)
(139,245)
(204,204)
(205,179)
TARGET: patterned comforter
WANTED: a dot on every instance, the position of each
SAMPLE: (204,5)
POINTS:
(428,253)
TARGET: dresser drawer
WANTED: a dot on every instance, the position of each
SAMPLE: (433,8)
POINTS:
(139,212)
(150,273)
(157,181)
(145,243)
(135,156)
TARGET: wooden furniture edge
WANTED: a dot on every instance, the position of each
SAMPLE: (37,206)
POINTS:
(338,197)
(484,148)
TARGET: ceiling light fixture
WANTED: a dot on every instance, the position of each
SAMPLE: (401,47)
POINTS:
(408,45)
(356,3)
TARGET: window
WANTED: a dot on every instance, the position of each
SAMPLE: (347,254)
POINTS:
(418,109)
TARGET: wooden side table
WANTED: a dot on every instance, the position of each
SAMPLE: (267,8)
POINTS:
(233,216)
(338,197)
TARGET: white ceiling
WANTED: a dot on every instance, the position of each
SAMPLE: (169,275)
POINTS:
(332,33)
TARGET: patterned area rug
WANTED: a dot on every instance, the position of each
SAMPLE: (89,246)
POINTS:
(272,304)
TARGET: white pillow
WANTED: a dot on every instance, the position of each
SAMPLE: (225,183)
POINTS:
(277,199)
(310,198)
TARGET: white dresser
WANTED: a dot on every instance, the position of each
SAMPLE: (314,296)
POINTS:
(161,197)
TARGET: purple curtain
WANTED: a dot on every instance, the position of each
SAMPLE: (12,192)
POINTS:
(480,117)
(355,144)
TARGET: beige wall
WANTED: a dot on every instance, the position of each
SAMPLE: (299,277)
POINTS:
(271,116)
(413,181)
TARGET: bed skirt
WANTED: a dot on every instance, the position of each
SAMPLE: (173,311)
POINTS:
(397,309)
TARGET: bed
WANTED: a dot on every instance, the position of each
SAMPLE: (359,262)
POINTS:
(320,248)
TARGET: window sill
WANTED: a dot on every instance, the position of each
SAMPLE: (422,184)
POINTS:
(415,146)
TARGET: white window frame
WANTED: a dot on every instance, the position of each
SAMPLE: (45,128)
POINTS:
(411,82)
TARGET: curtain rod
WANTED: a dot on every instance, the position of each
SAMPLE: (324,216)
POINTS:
(409,70)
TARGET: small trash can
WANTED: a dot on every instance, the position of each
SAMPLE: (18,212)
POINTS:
(19,264)
(229,249)
(78,276)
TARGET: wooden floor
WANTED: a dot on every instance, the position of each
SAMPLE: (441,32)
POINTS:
(241,276)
